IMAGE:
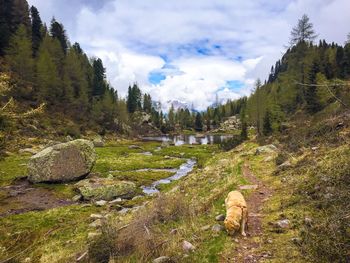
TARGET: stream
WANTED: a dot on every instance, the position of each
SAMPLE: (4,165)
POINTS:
(184,170)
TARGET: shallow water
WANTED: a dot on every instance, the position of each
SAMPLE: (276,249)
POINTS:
(184,170)
(189,139)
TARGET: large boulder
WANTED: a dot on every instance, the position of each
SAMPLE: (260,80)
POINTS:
(62,162)
(105,189)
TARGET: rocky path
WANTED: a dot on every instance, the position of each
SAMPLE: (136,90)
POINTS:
(247,246)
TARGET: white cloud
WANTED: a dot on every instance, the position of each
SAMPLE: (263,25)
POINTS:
(135,37)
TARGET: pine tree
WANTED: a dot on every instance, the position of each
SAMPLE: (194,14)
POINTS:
(244,125)
(47,77)
(57,31)
(303,32)
(267,125)
(19,58)
(198,125)
(37,26)
(99,76)
(171,117)
(13,13)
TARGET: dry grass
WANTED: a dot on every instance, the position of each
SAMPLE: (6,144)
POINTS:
(143,238)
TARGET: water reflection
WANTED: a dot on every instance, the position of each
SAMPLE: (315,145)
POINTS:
(189,139)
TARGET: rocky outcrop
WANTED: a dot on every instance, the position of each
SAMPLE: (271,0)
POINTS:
(105,189)
(62,162)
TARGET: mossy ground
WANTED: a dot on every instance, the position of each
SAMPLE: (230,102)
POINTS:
(12,168)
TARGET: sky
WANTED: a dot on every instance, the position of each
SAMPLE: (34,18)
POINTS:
(191,51)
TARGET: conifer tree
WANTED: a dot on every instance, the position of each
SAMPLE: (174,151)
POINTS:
(37,26)
(57,31)
(303,32)
(99,76)
(19,58)
(198,125)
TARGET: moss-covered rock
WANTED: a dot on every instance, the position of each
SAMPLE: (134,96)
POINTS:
(105,189)
(62,162)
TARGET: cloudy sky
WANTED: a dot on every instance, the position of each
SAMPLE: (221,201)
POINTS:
(191,51)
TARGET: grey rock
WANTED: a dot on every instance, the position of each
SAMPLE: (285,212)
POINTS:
(77,198)
(98,141)
(187,246)
(105,189)
(101,203)
(63,162)
(96,216)
(220,217)
(283,224)
(135,147)
(217,228)
(266,149)
(205,228)
(162,259)
(96,223)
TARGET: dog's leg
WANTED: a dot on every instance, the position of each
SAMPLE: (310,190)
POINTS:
(244,221)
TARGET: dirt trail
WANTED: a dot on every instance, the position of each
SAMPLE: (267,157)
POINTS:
(245,251)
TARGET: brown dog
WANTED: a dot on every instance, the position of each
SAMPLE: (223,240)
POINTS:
(236,213)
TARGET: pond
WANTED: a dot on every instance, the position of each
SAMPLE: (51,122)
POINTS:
(189,139)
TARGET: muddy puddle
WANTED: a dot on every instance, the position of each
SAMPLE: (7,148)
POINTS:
(23,197)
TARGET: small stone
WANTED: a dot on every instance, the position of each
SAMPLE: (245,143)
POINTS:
(220,217)
(269,241)
(96,223)
(284,224)
(162,259)
(96,216)
(101,203)
(205,228)
(76,198)
(308,221)
(92,235)
(166,157)
(173,231)
(236,240)
(217,228)
(138,197)
(248,187)
(135,147)
(296,240)
(116,201)
(187,246)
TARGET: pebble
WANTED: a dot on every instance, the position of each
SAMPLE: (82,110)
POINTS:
(220,217)
(116,201)
(187,246)
(76,198)
(96,223)
(101,203)
(96,216)
(205,228)
(162,259)
(217,228)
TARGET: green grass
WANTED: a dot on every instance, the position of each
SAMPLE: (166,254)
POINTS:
(12,168)
(54,235)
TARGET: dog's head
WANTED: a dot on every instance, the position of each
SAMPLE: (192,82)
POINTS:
(231,225)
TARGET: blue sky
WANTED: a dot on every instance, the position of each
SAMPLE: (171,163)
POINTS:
(190,51)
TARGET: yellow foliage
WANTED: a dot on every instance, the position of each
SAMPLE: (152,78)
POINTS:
(10,109)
